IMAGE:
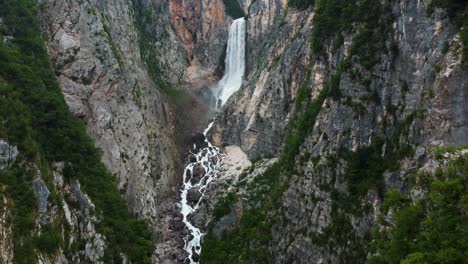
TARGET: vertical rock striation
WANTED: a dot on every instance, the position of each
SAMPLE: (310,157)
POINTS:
(277,57)
(352,111)
(202,27)
(95,52)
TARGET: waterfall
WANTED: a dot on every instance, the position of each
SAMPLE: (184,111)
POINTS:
(204,161)
(234,63)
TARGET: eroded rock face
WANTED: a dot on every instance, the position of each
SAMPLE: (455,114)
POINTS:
(67,214)
(8,154)
(202,27)
(277,56)
(419,88)
(6,233)
(95,53)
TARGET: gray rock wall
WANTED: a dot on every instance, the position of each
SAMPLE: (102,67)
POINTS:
(421,90)
(277,56)
(95,53)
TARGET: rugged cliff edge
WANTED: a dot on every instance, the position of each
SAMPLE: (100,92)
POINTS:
(353,98)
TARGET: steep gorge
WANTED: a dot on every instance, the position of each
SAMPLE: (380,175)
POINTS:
(349,122)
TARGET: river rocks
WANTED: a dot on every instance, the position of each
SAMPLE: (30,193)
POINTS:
(198,171)
(192,158)
(199,143)
(193,196)
(177,225)
(195,257)
(199,218)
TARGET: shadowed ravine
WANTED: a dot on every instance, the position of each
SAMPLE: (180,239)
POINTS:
(204,160)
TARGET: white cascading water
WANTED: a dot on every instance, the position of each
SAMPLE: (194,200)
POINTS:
(235,62)
(208,156)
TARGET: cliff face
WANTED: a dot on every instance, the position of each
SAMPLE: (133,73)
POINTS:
(356,102)
(418,86)
(119,64)
(277,56)
(95,52)
(202,27)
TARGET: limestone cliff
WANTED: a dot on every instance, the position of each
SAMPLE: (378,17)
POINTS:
(352,103)
(202,27)
(94,46)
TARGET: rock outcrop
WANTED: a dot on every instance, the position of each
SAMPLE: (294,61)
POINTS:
(94,46)
(202,27)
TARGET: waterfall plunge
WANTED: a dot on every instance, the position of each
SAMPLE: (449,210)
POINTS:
(235,63)
(209,156)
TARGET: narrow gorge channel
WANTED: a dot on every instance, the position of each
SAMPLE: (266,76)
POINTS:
(203,162)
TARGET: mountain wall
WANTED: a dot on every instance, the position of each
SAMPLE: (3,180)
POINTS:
(353,99)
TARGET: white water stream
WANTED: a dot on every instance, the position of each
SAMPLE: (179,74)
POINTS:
(208,157)
(235,62)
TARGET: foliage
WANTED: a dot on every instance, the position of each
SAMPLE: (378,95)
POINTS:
(301,4)
(233,9)
(223,207)
(370,20)
(432,229)
(115,51)
(37,120)
(49,239)
(464,39)
(18,186)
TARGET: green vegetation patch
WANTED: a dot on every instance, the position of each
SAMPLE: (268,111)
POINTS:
(430,230)
(113,46)
(370,21)
(233,9)
(300,4)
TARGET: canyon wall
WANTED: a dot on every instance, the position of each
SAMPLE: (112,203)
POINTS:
(202,27)
(321,96)
(94,47)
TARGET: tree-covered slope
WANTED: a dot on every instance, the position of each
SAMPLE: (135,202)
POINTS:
(35,118)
